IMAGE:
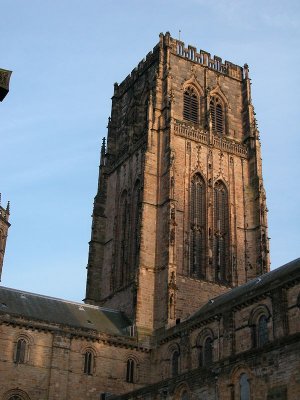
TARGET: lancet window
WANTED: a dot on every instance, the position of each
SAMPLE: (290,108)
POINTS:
(130,370)
(88,363)
(217,115)
(191,105)
(135,228)
(21,351)
(123,240)
(221,232)
(197,227)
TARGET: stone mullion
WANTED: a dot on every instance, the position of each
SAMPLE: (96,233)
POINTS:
(233,225)
(210,219)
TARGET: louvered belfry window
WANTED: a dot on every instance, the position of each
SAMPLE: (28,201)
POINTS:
(221,232)
(191,105)
(197,227)
(216,115)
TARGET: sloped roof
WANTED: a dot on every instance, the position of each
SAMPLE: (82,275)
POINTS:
(62,312)
(253,288)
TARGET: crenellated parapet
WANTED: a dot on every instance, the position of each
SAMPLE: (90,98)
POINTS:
(143,65)
(206,59)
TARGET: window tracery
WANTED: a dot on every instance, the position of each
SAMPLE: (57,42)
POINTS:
(221,232)
(191,105)
(197,226)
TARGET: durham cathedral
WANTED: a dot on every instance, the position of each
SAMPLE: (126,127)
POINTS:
(180,301)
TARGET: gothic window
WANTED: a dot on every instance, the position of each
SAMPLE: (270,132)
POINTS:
(221,232)
(191,105)
(21,351)
(135,229)
(175,363)
(244,387)
(197,227)
(130,370)
(262,331)
(88,363)
(216,115)
(123,240)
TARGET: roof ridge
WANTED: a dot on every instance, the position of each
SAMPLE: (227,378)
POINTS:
(61,300)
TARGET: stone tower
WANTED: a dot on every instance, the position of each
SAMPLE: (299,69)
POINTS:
(180,212)
(4,225)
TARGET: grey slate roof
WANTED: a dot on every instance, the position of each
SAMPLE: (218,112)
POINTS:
(253,288)
(37,307)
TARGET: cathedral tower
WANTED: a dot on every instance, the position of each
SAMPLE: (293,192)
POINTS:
(180,212)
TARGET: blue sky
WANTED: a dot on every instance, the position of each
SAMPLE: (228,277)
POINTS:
(65,56)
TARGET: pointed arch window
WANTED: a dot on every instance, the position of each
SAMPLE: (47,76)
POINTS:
(135,229)
(197,227)
(221,232)
(216,110)
(191,105)
(21,351)
(122,274)
(130,370)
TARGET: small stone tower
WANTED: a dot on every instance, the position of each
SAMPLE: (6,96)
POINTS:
(4,225)
(180,212)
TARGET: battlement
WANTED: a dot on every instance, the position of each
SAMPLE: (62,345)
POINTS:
(141,67)
(204,58)
(190,53)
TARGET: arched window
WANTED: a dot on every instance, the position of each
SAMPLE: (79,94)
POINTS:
(221,232)
(15,394)
(191,105)
(130,370)
(216,115)
(244,387)
(135,228)
(207,352)
(122,274)
(262,331)
(88,363)
(175,363)
(197,227)
(21,351)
